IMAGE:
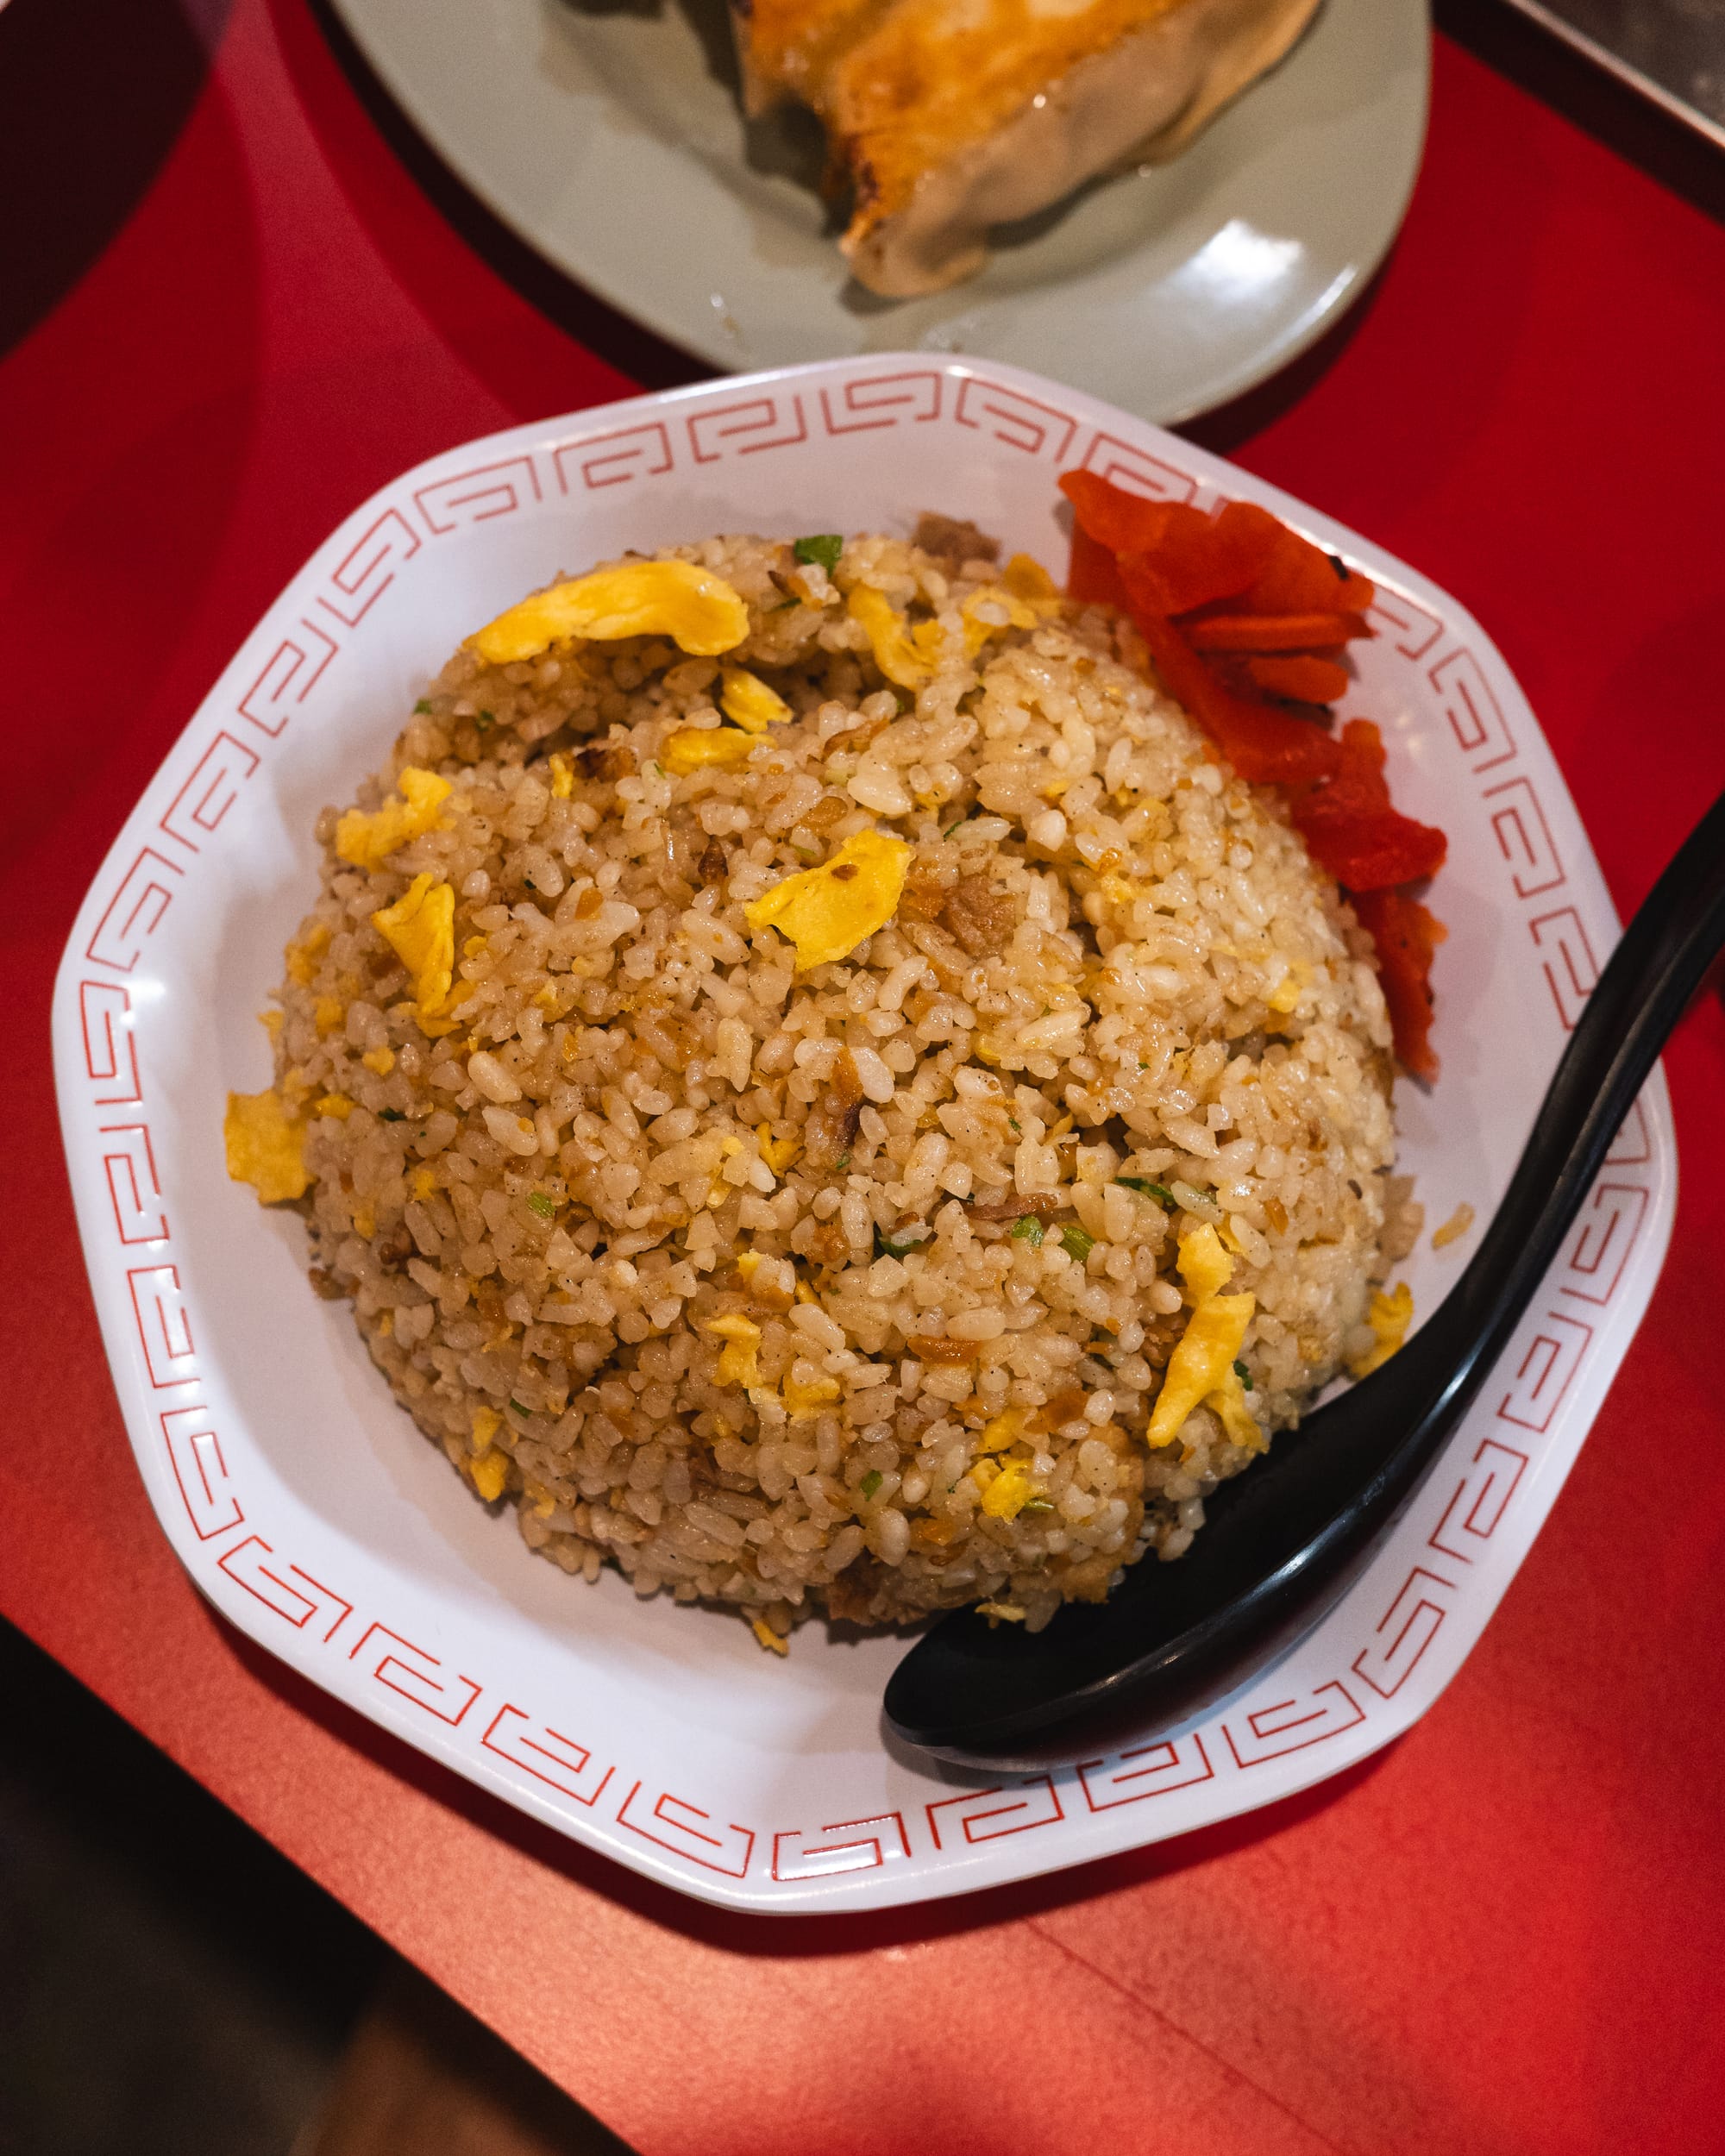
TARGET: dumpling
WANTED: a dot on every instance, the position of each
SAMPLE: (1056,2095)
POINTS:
(949,116)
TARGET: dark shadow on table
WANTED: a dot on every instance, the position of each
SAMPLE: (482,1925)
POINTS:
(779,1937)
(93,95)
(1559,76)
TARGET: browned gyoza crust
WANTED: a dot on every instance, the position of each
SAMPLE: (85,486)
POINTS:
(950,116)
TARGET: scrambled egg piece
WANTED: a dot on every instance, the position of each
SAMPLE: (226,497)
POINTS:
(699,611)
(265,1144)
(1201,1370)
(1390,1318)
(777,1152)
(809,1398)
(1024,577)
(420,928)
(1006,1429)
(487,1424)
(1009,1492)
(739,1362)
(380,1060)
(905,655)
(1019,615)
(333,1104)
(827,911)
(562,777)
(488,1474)
(366,840)
(748,702)
(764,1632)
(302,957)
(706,748)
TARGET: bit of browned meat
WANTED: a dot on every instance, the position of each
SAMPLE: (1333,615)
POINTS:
(326,1285)
(606,760)
(980,915)
(851,1596)
(831,1130)
(1043,1203)
(714,862)
(953,540)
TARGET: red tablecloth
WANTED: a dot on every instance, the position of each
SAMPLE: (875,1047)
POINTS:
(1502,1934)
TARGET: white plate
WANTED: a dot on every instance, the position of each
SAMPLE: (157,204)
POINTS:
(302,1501)
(607,134)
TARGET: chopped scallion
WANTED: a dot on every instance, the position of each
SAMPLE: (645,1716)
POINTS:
(871,1482)
(389,1115)
(1243,1375)
(484,721)
(841,1163)
(1163,1196)
(1028,1229)
(823,547)
(422,707)
(518,1408)
(1075,1242)
(1036,1504)
(544,1207)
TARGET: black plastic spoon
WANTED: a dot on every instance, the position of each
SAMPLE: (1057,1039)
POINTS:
(1282,1540)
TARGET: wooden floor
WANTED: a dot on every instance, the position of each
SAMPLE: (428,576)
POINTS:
(170,1986)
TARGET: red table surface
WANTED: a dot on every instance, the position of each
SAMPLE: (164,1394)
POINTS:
(1502,1934)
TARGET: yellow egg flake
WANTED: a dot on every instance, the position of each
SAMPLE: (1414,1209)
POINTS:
(1286,997)
(809,1398)
(380,1061)
(978,629)
(904,659)
(770,1639)
(562,777)
(777,1152)
(302,957)
(420,929)
(1205,1266)
(698,611)
(272,1022)
(337,1106)
(739,1362)
(1024,577)
(1010,1491)
(827,911)
(472,945)
(1390,1317)
(366,840)
(329,1013)
(1227,1401)
(364,1224)
(1002,1612)
(748,1265)
(1201,1364)
(489,1474)
(487,1424)
(706,748)
(265,1146)
(424,1181)
(386,1325)
(539,1497)
(1006,1429)
(748,702)
(1454,1228)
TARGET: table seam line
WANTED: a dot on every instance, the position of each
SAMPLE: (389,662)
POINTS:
(1136,1998)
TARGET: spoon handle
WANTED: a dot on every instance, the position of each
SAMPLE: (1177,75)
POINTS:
(1282,1539)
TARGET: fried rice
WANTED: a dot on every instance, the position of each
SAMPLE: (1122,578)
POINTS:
(846,1287)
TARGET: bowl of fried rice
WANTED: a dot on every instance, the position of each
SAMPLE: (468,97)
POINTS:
(798,1091)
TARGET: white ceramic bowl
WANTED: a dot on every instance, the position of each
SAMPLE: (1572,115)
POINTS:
(309,1510)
